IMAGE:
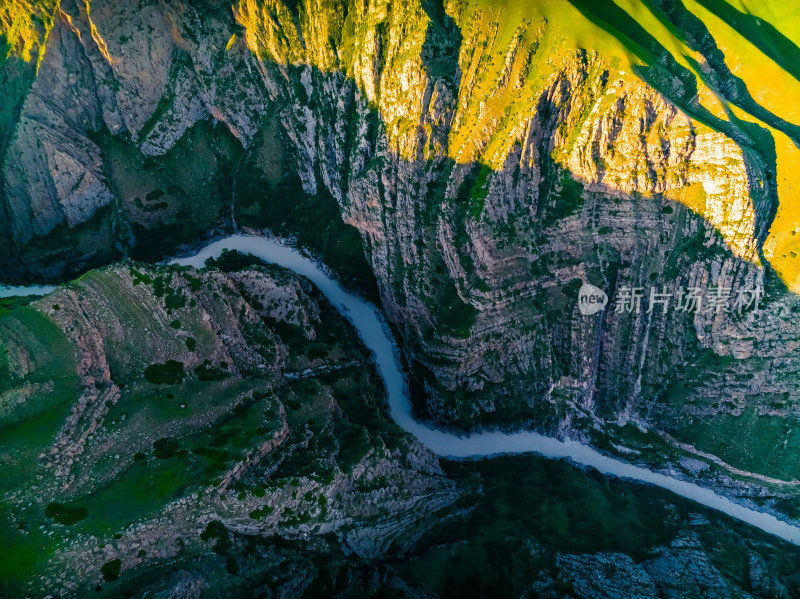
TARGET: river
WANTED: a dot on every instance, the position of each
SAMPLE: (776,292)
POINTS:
(6,291)
(376,336)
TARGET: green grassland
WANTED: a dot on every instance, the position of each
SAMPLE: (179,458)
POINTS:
(28,423)
(174,437)
(36,395)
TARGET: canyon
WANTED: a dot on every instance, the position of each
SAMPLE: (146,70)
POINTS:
(464,165)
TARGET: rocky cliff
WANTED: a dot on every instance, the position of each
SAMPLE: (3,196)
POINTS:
(492,156)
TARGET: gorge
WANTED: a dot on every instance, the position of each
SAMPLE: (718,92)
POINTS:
(465,166)
(377,337)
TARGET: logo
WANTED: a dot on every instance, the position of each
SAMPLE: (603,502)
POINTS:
(591,299)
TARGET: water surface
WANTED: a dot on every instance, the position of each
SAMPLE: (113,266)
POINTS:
(20,291)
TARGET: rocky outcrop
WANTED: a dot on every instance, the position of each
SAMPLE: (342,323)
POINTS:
(681,570)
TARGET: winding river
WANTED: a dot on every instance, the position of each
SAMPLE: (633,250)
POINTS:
(6,291)
(375,334)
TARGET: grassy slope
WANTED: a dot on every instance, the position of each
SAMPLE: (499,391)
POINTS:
(765,97)
(766,62)
(26,429)
(162,442)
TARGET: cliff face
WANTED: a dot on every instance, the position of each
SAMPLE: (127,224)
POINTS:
(491,158)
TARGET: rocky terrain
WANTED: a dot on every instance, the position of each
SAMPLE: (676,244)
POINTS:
(142,407)
(184,433)
(465,164)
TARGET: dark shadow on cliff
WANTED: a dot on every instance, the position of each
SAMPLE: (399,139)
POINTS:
(662,70)
(313,220)
(731,87)
(762,34)
(442,44)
